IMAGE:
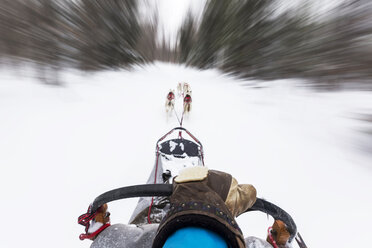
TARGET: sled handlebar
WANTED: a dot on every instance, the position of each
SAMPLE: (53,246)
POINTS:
(149,190)
(132,191)
(171,131)
(181,129)
(277,213)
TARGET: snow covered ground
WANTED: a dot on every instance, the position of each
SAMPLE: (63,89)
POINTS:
(60,147)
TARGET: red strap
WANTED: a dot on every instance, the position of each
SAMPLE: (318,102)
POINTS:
(84,219)
(156,172)
(149,212)
(92,235)
(271,237)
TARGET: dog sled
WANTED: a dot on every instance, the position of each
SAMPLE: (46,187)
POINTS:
(173,154)
(176,150)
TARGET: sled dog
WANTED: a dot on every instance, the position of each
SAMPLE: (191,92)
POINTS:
(183,88)
(187,101)
(179,89)
(169,102)
(186,88)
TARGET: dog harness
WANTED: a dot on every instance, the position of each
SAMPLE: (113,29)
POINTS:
(187,99)
(170,96)
(269,234)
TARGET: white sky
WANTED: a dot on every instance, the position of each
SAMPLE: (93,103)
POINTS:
(172,14)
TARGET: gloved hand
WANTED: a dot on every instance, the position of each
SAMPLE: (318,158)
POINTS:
(279,234)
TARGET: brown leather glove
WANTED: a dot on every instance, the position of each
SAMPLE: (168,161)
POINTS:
(279,233)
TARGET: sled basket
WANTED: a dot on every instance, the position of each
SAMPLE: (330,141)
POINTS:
(180,147)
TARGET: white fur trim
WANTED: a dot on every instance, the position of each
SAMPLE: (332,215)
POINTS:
(192,174)
(94,226)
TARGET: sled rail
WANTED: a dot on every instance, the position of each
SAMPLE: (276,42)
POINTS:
(144,190)
(277,213)
(150,190)
(182,129)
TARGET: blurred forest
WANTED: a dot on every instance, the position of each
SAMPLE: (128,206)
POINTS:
(88,35)
(249,39)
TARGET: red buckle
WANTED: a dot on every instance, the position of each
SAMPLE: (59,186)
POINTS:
(94,234)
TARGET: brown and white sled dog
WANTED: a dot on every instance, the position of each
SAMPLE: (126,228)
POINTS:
(187,103)
(186,88)
(169,102)
(183,88)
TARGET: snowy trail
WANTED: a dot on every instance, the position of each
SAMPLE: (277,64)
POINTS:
(61,147)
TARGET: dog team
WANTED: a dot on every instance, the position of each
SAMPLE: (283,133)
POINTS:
(184,91)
